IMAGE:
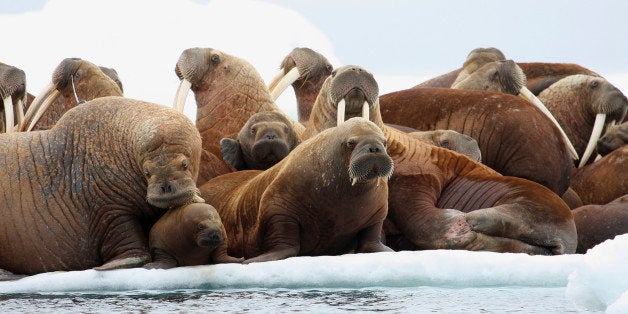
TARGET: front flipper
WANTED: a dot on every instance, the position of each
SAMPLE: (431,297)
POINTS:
(127,262)
(232,153)
(220,256)
(124,242)
(280,238)
(370,240)
(7,275)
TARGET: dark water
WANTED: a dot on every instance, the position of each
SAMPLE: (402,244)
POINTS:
(385,300)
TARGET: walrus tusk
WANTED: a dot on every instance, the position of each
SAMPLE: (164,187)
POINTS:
(20,112)
(8,114)
(181,95)
(365,110)
(36,104)
(354,181)
(277,87)
(44,106)
(341,112)
(198,199)
(526,94)
(600,118)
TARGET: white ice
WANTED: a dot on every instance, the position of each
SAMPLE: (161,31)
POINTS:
(594,281)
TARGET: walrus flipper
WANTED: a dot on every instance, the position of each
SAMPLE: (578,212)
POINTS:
(232,153)
(281,238)
(7,275)
(127,262)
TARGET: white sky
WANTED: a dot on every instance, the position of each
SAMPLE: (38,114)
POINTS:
(143,39)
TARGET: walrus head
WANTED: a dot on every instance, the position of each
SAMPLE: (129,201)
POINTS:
(451,140)
(265,139)
(204,222)
(113,74)
(353,91)
(477,58)
(12,91)
(503,76)
(615,137)
(367,146)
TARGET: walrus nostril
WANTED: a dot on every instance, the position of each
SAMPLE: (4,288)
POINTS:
(374,149)
(270,135)
(166,187)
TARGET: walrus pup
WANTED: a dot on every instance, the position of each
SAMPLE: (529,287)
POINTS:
(265,139)
(84,193)
(597,223)
(615,137)
(328,196)
(188,236)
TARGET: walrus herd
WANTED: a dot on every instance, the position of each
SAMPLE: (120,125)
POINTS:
(471,160)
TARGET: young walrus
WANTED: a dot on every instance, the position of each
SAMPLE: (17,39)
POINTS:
(187,236)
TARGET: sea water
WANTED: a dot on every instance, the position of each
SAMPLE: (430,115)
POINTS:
(407,282)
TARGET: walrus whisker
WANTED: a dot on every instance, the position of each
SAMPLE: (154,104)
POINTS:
(8,114)
(341,112)
(78,102)
(598,126)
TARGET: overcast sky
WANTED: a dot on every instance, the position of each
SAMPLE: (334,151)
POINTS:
(401,42)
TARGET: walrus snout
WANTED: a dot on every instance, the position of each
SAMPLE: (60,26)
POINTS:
(211,237)
(172,193)
(351,78)
(370,160)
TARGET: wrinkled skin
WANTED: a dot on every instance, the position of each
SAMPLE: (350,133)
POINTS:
(509,144)
(228,91)
(614,138)
(597,223)
(604,180)
(498,76)
(188,236)
(451,140)
(264,140)
(90,82)
(328,197)
(476,59)
(80,195)
(12,84)
(113,74)
(443,200)
(576,100)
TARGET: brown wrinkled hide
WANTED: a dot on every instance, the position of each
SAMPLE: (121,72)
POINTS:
(614,138)
(451,140)
(12,83)
(188,236)
(597,223)
(439,199)
(306,204)
(498,76)
(90,82)
(575,100)
(515,138)
(603,180)
(75,195)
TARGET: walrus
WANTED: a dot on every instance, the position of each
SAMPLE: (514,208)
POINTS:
(13,94)
(615,137)
(439,199)
(265,139)
(85,193)
(583,104)
(74,81)
(477,59)
(452,140)
(603,180)
(188,236)
(597,223)
(327,197)
(514,138)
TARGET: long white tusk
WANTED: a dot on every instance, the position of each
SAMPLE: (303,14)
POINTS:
(8,114)
(44,106)
(365,110)
(526,94)
(276,79)
(20,112)
(34,107)
(600,118)
(341,112)
(277,88)
(181,95)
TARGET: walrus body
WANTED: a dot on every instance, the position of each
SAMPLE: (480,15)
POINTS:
(597,223)
(604,180)
(614,138)
(83,193)
(188,236)
(329,196)
(439,199)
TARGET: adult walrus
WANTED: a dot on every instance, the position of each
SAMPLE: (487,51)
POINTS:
(13,94)
(84,193)
(597,223)
(603,180)
(451,140)
(187,236)
(439,199)
(328,196)
(265,139)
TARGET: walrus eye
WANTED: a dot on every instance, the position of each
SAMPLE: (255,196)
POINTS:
(200,227)
(594,84)
(185,165)
(444,143)
(146,173)
(351,144)
(333,73)
(215,59)
(253,131)
(329,68)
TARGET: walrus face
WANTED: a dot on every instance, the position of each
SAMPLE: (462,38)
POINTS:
(499,76)
(299,67)
(615,137)
(266,139)
(204,222)
(353,91)
(451,140)
(369,159)
(170,180)
(12,91)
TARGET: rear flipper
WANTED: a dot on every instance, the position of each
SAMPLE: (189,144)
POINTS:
(485,242)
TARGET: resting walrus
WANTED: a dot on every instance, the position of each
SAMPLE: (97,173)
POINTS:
(329,196)
(82,194)
(187,236)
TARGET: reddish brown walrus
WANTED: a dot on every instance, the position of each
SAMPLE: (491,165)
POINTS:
(82,194)
(514,138)
(327,197)
(439,199)
(228,91)
(596,223)
(189,235)
(604,180)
